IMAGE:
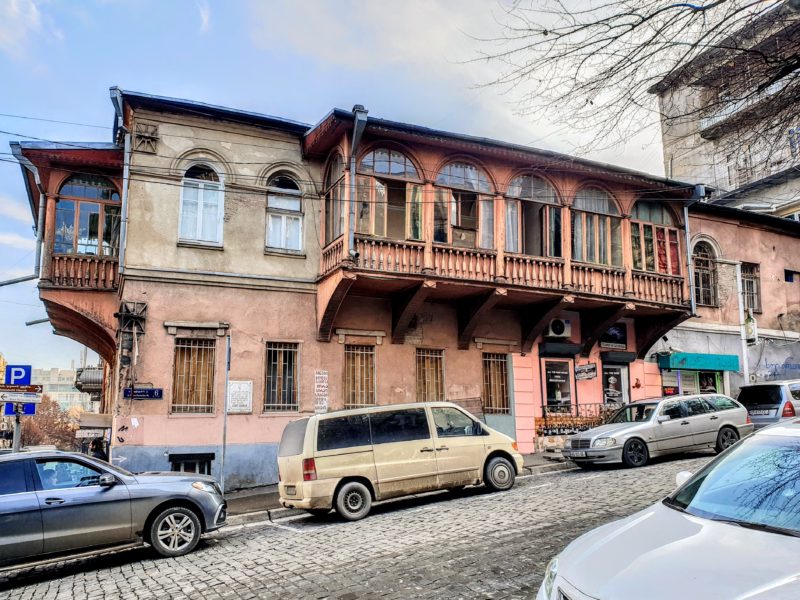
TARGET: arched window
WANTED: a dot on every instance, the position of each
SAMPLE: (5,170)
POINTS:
(284,214)
(87,217)
(463,216)
(202,206)
(334,198)
(654,238)
(596,228)
(533,217)
(705,274)
(389,199)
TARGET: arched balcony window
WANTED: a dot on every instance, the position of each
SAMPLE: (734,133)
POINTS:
(334,198)
(389,196)
(655,238)
(596,228)
(202,206)
(533,217)
(463,212)
(704,266)
(87,217)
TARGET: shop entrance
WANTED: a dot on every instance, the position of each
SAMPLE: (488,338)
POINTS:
(616,384)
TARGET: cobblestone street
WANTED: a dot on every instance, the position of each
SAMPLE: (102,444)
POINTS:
(471,545)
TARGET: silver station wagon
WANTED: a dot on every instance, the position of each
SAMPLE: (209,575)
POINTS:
(648,428)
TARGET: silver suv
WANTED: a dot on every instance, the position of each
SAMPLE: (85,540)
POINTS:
(59,503)
(771,401)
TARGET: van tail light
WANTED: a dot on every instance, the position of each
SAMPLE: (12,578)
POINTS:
(514,446)
(748,421)
(309,470)
(788,410)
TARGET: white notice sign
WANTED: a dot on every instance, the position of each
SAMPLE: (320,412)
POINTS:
(240,396)
(320,391)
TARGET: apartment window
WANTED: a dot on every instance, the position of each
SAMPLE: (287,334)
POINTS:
(654,239)
(281,383)
(192,463)
(751,286)
(596,228)
(495,384)
(430,375)
(284,215)
(201,206)
(463,214)
(533,217)
(193,376)
(334,198)
(359,376)
(705,274)
(87,217)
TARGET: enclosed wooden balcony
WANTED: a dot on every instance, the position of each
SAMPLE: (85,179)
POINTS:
(83,272)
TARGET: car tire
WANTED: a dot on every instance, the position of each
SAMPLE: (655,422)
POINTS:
(175,532)
(726,438)
(318,512)
(499,475)
(353,501)
(635,453)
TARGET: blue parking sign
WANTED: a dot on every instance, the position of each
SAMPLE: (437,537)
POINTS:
(18,375)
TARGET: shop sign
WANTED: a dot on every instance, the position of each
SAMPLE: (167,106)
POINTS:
(616,338)
(587,371)
(91,433)
(240,396)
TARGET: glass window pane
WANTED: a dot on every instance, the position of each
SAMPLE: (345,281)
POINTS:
(440,210)
(64,474)
(512,226)
(577,236)
(189,211)
(382,161)
(399,426)
(275,231)
(636,245)
(88,227)
(649,250)
(111,230)
(283,202)
(380,208)
(65,227)
(363,206)
(415,215)
(554,233)
(674,252)
(343,432)
(209,216)
(451,422)
(487,223)
(602,242)
(293,233)
(591,235)
(12,478)
(616,242)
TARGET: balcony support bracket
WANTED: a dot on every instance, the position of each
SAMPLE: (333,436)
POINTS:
(535,318)
(471,314)
(595,323)
(650,329)
(405,307)
(330,296)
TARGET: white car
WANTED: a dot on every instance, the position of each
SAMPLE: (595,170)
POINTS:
(730,532)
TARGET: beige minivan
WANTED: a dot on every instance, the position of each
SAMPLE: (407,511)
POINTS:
(348,459)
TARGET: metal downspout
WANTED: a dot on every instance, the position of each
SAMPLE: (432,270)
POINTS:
(123,229)
(689,268)
(359,124)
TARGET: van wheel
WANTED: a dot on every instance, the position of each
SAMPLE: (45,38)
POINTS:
(726,438)
(318,512)
(635,453)
(353,501)
(175,532)
(499,474)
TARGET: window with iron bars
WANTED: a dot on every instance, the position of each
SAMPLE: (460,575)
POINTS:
(359,376)
(495,384)
(751,286)
(430,375)
(193,376)
(281,382)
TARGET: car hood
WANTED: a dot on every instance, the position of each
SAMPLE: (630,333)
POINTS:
(608,429)
(663,554)
(171,477)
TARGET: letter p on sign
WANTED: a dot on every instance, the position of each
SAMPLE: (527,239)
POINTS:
(18,375)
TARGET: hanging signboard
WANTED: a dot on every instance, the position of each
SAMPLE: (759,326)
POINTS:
(587,371)
(615,338)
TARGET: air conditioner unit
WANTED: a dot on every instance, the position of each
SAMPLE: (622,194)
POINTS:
(558,328)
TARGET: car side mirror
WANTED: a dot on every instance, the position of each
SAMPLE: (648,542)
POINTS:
(683,477)
(107,480)
(663,418)
(477,429)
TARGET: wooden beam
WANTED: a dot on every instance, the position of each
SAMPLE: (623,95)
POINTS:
(534,318)
(470,315)
(405,307)
(649,329)
(330,294)
(595,323)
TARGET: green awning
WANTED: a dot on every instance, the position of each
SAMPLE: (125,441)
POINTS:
(699,362)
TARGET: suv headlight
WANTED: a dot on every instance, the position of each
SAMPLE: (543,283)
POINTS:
(550,577)
(204,486)
(604,443)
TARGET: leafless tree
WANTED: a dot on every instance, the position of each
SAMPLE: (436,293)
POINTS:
(50,425)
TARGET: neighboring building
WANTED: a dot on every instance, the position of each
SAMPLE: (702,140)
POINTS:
(59,385)
(525,285)
(719,113)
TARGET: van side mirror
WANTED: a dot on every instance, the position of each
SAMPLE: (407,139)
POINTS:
(477,429)
(663,418)
(107,480)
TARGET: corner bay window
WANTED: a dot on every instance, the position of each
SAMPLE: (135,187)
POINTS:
(334,198)
(281,381)
(495,384)
(463,215)
(202,206)
(284,215)
(654,239)
(193,376)
(87,217)
(533,218)
(359,376)
(596,228)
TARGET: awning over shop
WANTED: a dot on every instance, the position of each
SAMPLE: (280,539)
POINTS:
(698,362)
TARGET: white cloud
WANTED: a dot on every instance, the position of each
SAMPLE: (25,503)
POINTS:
(19,19)
(14,210)
(205,15)
(17,241)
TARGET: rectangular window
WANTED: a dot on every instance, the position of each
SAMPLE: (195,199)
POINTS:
(495,384)
(88,227)
(554,231)
(440,216)
(359,376)
(414,193)
(751,286)
(201,212)
(111,224)
(512,226)
(284,222)
(65,227)
(191,463)
(430,375)
(577,237)
(487,222)
(343,432)
(399,426)
(558,389)
(281,381)
(193,376)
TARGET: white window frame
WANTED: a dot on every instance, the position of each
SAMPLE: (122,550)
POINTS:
(285,214)
(202,184)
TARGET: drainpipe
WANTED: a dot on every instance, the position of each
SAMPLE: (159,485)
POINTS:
(359,124)
(17,152)
(740,296)
(699,193)
(123,228)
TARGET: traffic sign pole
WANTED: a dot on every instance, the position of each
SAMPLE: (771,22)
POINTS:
(15,446)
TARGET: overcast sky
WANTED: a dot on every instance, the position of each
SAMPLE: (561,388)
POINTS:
(403,60)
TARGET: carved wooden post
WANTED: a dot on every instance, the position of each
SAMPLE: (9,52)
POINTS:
(49,237)
(499,206)
(428,200)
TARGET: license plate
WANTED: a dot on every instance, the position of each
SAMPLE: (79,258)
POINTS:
(760,412)
(291,490)
(579,453)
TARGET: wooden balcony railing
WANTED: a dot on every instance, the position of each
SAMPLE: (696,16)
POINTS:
(598,279)
(332,255)
(658,288)
(464,263)
(389,255)
(84,272)
(534,271)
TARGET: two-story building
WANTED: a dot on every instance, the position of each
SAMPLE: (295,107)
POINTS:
(355,262)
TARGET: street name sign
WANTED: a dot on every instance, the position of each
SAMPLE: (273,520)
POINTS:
(143,393)
(23,397)
(29,389)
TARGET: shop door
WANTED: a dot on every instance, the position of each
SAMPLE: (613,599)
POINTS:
(709,382)
(558,386)
(616,388)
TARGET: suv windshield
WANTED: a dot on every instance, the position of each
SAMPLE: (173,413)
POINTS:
(760,395)
(756,485)
(634,413)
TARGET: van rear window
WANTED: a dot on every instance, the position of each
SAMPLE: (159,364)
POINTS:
(762,395)
(293,438)
(343,432)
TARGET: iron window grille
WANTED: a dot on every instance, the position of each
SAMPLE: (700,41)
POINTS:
(281,379)
(495,384)
(359,376)
(705,275)
(430,375)
(751,286)
(193,376)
